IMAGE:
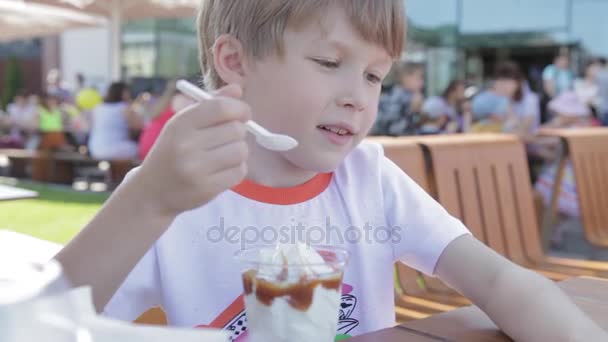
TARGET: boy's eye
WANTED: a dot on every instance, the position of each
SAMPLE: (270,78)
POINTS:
(326,63)
(373,78)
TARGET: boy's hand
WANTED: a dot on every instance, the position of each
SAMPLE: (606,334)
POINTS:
(200,153)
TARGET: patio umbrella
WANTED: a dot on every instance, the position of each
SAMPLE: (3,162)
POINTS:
(118,11)
(20,20)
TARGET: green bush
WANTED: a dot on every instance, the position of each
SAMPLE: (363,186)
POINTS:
(12,81)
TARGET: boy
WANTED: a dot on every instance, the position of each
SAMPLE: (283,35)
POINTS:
(310,69)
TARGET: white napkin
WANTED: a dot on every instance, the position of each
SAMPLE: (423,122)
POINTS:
(70,316)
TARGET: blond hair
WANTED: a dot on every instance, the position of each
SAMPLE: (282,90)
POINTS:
(259,25)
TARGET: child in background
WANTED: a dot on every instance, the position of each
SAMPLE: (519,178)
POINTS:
(569,111)
(491,113)
(436,119)
(399,109)
(441,114)
(312,70)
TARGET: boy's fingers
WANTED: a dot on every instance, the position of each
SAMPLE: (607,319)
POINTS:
(229,177)
(220,135)
(228,156)
(214,112)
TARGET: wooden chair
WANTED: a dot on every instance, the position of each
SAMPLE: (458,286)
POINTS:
(587,150)
(484,181)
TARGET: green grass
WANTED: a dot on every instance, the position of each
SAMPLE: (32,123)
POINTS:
(57,215)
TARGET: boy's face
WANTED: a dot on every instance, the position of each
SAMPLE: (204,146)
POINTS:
(324,91)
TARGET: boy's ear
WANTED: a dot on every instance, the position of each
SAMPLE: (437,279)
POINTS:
(229,59)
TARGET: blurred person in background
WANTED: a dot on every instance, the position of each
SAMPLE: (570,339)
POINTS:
(171,102)
(492,109)
(400,107)
(527,109)
(602,83)
(586,87)
(557,77)
(85,100)
(112,122)
(56,87)
(442,114)
(466,115)
(526,105)
(568,112)
(490,113)
(51,122)
(20,121)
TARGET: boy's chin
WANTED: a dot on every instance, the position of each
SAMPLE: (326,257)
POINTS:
(321,162)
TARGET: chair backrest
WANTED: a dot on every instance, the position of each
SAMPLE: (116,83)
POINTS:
(588,152)
(483,179)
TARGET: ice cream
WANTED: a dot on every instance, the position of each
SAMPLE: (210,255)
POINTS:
(292,293)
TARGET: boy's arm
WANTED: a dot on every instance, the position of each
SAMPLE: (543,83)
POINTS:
(200,153)
(525,305)
(110,246)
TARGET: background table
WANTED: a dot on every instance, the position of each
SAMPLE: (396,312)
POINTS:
(471,324)
(15,246)
(8,193)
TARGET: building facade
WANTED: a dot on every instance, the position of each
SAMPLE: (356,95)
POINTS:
(466,38)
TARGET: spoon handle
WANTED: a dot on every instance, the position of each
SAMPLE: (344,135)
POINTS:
(256,129)
(193,91)
(199,94)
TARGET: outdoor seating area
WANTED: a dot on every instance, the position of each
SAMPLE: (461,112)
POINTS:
(303,171)
(483,180)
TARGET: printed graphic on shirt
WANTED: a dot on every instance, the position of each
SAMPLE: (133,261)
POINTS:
(234,320)
(346,322)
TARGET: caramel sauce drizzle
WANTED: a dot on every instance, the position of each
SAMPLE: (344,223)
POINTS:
(299,294)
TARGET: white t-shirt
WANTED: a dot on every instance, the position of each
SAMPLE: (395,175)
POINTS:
(367,206)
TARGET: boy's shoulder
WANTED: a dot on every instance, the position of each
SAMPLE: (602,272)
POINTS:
(363,167)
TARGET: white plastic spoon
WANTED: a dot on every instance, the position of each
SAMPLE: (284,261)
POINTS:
(267,139)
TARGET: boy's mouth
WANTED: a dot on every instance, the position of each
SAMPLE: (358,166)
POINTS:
(341,131)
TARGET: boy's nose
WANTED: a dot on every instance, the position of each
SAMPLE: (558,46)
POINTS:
(353,101)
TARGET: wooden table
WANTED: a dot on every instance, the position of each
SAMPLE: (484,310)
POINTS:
(9,193)
(471,324)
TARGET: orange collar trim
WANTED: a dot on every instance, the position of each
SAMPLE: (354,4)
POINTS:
(284,196)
